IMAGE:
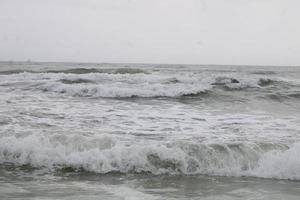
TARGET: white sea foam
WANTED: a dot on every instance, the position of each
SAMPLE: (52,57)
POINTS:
(240,136)
(109,154)
(280,164)
(130,85)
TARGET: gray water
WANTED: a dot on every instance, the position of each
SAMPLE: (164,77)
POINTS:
(130,131)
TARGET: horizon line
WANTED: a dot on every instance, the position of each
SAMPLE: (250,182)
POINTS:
(147,63)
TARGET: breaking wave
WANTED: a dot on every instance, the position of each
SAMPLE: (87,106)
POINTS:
(129,82)
(151,86)
(119,90)
(106,154)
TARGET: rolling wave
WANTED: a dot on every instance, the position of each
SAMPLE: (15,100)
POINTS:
(128,82)
(107,154)
(173,87)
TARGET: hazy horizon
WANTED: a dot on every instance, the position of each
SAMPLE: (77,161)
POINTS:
(128,63)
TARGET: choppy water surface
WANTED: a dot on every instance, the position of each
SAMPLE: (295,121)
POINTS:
(117,131)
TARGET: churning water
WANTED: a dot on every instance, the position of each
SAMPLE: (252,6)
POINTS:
(117,131)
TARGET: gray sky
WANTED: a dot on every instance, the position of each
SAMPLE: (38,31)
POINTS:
(264,32)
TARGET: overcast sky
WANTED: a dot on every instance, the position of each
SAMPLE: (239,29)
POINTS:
(252,32)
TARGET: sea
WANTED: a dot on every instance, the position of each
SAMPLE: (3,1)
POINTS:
(149,131)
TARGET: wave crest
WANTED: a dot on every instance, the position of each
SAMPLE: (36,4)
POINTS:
(106,154)
(127,82)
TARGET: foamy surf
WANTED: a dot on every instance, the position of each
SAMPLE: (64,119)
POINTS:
(108,154)
(148,131)
(137,83)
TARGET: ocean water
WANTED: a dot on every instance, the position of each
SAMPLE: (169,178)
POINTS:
(131,131)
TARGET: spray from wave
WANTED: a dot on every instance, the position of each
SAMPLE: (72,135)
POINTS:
(125,83)
(107,154)
(241,109)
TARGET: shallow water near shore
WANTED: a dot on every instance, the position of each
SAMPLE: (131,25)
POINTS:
(37,185)
(130,131)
